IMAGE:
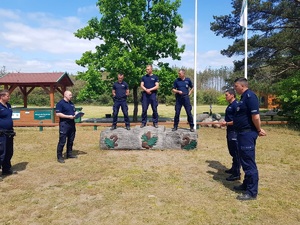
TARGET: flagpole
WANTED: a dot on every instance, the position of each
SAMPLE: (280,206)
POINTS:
(246,41)
(195,64)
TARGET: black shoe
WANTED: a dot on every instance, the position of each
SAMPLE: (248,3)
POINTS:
(192,129)
(245,197)
(9,172)
(72,157)
(239,188)
(155,125)
(127,127)
(230,171)
(113,127)
(60,160)
(142,125)
(174,128)
(233,178)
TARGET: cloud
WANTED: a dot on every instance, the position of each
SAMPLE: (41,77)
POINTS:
(41,42)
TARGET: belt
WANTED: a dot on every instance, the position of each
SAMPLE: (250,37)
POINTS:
(9,133)
(245,130)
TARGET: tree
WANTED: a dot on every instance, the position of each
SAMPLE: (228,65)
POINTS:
(133,33)
(289,95)
(274,37)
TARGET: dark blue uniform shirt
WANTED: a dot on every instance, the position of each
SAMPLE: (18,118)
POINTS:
(246,107)
(120,89)
(66,108)
(229,114)
(6,122)
(149,81)
(183,85)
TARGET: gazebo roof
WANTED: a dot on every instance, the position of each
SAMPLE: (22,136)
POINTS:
(27,79)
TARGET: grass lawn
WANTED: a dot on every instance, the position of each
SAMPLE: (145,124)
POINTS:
(163,110)
(147,186)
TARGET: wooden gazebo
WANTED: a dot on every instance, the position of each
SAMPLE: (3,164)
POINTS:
(26,82)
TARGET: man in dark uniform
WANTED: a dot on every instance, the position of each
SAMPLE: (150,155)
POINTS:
(149,85)
(246,122)
(6,134)
(120,91)
(183,88)
(231,136)
(66,112)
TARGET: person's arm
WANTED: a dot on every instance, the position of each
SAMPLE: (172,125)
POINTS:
(257,123)
(176,91)
(142,86)
(127,92)
(191,91)
(61,115)
(113,92)
(155,87)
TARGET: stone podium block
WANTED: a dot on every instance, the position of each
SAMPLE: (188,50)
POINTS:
(148,138)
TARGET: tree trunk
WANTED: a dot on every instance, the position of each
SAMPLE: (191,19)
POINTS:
(135,103)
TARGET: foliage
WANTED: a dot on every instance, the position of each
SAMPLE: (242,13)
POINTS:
(214,78)
(289,95)
(93,87)
(274,37)
(221,100)
(132,34)
(170,100)
(209,96)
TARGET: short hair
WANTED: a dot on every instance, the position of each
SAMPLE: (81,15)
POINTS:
(242,80)
(4,92)
(183,70)
(122,74)
(231,91)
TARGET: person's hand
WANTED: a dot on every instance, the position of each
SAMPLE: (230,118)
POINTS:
(148,91)
(262,132)
(224,123)
(179,92)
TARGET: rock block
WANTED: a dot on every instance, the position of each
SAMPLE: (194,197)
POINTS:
(148,138)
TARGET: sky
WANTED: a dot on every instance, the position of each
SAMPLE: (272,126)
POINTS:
(38,35)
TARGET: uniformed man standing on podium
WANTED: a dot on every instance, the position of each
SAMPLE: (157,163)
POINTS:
(149,85)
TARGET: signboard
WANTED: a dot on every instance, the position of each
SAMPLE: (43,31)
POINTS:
(42,115)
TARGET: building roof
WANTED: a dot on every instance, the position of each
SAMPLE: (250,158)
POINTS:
(28,79)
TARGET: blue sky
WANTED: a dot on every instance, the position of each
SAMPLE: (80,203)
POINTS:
(37,35)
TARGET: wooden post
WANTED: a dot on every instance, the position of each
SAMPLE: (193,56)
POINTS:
(52,96)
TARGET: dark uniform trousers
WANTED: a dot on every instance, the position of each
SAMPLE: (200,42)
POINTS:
(234,152)
(6,151)
(183,100)
(123,104)
(247,142)
(67,132)
(146,100)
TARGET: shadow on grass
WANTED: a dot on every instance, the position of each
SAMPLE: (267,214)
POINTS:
(78,152)
(20,166)
(220,175)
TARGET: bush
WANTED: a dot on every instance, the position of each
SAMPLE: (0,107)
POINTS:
(221,100)
(170,100)
(208,96)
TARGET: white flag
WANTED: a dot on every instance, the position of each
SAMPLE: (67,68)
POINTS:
(244,15)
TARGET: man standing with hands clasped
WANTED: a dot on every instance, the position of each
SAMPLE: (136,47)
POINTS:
(246,122)
(183,88)
(149,85)
(120,91)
